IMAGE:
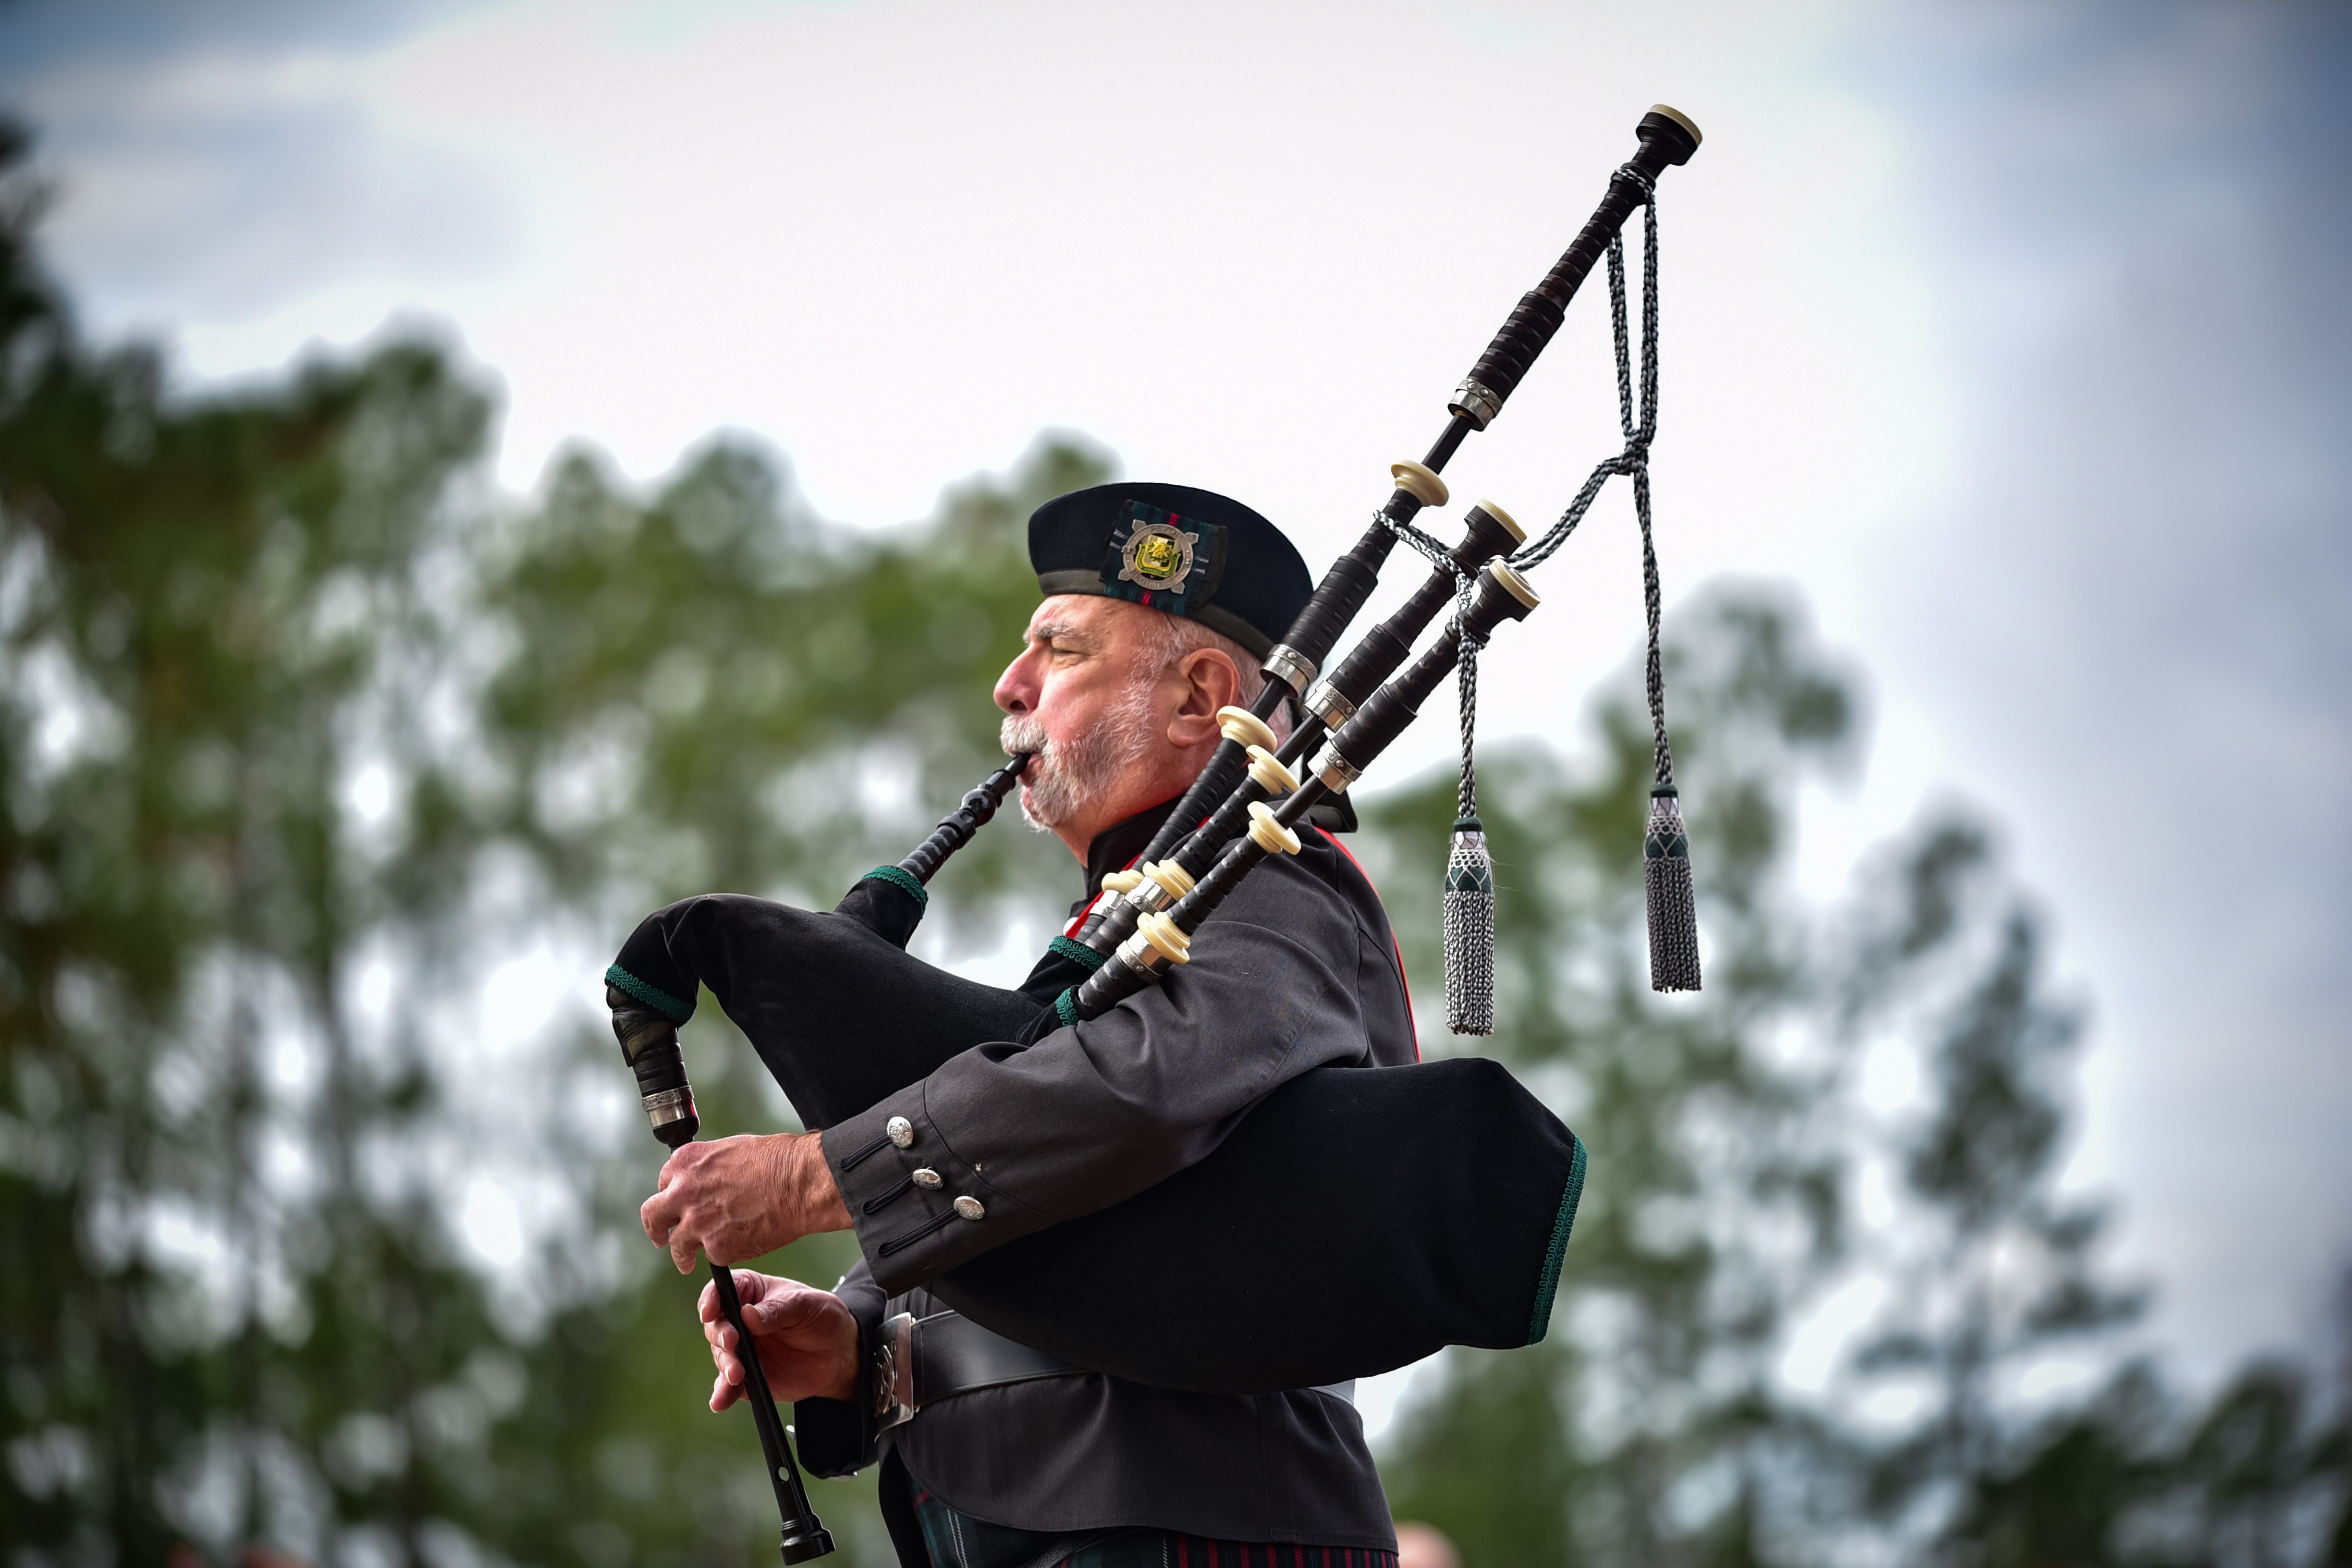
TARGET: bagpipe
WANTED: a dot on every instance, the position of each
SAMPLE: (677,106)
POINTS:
(1355,1219)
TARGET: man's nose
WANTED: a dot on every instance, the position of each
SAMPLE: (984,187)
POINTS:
(1016,688)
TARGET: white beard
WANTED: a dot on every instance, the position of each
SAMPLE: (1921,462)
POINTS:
(1064,778)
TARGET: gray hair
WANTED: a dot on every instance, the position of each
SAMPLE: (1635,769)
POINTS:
(1173,636)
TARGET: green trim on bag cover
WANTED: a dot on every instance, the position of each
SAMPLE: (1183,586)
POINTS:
(1066,1008)
(1549,1284)
(1077,952)
(653,996)
(900,878)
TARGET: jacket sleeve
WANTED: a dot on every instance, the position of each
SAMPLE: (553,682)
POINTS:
(838,1436)
(1088,1116)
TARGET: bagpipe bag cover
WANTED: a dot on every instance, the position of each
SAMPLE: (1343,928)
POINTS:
(1355,1219)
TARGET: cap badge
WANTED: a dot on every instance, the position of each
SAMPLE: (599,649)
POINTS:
(1161,561)
(1158,557)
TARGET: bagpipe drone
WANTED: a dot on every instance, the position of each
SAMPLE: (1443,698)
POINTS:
(1355,1219)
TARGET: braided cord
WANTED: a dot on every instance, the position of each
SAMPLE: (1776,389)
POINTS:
(1466,683)
(1469,928)
(1640,428)
(1431,547)
(1466,669)
(1638,418)
(1652,674)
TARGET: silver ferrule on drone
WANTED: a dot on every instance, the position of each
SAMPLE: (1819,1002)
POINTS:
(649,1044)
(1290,666)
(1156,944)
(1338,772)
(668,1106)
(1476,402)
(1323,700)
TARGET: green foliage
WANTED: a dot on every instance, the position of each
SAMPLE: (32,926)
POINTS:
(1711,1206)
(286,708)
(731,677)
(1727,1139)
(199,600)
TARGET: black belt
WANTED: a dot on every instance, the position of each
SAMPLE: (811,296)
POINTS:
(922,1360)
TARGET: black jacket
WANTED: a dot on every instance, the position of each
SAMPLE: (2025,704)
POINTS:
(1297,970)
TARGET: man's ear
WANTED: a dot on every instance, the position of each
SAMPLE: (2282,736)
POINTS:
(1211,681)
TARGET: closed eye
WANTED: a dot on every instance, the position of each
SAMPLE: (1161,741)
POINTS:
(1062,641)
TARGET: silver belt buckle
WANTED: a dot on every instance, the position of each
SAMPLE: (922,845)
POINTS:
(894,1374)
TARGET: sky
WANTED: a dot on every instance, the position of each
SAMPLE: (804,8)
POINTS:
(2012,334)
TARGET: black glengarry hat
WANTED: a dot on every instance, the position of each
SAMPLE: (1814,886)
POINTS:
(1190,552)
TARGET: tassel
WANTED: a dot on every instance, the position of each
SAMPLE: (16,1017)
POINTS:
(1470,931)
(1667,879)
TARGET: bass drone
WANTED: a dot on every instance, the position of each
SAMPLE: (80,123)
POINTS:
(1431,1203)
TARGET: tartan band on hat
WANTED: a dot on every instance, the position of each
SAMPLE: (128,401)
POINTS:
(1162,561)
(1172,548)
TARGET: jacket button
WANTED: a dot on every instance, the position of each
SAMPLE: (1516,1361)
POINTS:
(901,1132)
(926,1178)
(970,1208)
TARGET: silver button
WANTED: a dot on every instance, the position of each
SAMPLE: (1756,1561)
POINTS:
(901,1132)
(970,1208)
(926,1178)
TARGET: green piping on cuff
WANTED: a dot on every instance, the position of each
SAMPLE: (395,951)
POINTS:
(1066,1008)
(1547,1285)
(653,996)
(900,877)
(1077,952)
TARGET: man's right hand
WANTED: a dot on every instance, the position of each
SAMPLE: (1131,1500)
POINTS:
(805,1338)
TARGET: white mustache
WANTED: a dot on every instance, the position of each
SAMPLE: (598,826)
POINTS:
(1061,777)
(1045,794)
(1021,733)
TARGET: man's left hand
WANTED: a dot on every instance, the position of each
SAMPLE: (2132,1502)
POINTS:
(736,1198)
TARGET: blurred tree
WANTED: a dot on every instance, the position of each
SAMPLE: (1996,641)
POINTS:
(208,609)
(710,690)
(2136,1475)
(1992,1270)
(714,691)
(1653,1426)
(1646,1427)
(293,725)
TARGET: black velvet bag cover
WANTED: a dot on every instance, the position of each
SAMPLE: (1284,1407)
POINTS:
(841,1014)
(1357,1220)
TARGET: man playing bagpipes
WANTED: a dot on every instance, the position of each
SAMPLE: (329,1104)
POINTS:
(1117,697)
(1131,1230)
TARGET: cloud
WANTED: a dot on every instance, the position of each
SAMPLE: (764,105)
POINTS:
(2133,614)
(217,171)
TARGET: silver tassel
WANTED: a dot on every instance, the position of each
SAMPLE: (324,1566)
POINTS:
(1470,931)
(1667,879)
